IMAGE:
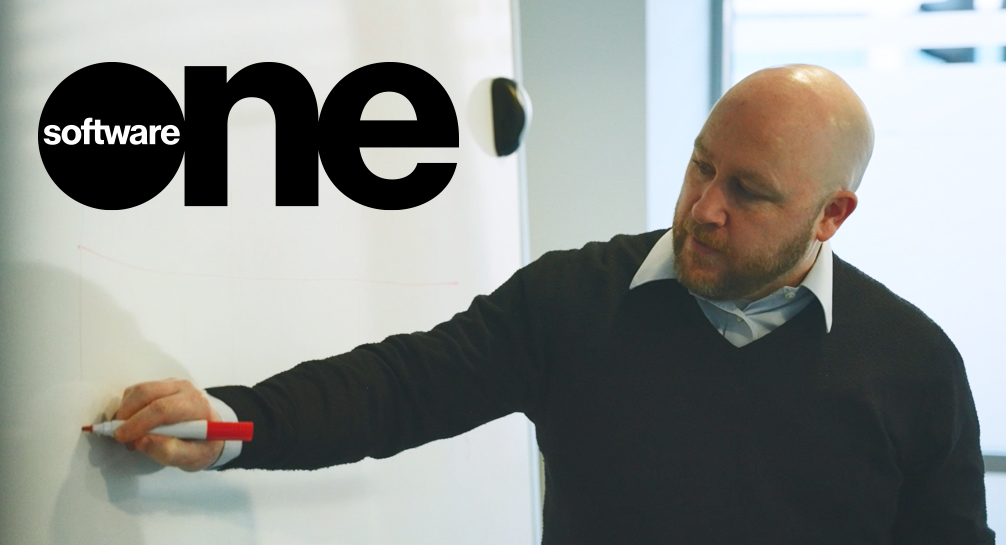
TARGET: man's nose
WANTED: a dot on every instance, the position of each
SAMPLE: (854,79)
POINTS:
(710,209)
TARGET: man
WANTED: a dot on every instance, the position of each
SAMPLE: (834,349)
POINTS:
(726,381)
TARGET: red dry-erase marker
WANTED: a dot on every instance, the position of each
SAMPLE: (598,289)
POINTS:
(195,429)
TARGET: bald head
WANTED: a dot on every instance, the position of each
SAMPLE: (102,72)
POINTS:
(771,178)
(809,117)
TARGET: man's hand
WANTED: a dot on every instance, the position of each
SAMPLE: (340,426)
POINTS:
(151,404)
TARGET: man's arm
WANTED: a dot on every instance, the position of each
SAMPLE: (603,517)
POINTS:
(375,400)
(942,499)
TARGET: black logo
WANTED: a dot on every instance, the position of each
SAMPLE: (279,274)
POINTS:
(112,135)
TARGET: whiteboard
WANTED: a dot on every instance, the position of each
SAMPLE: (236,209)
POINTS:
(93,300)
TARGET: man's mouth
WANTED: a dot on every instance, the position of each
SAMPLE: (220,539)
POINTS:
(702,248)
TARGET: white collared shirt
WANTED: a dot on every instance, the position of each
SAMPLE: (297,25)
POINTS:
(742,322)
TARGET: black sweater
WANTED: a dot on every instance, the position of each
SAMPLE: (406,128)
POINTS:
(654,428)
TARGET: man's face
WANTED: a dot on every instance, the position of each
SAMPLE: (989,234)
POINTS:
(747,214)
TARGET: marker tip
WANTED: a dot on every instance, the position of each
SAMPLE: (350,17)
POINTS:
(87,428)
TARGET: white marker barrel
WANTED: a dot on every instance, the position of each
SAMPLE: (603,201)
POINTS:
(196,429)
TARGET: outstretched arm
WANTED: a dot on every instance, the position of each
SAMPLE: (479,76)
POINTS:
(375,400)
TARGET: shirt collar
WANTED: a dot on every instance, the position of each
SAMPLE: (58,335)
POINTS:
(659,265)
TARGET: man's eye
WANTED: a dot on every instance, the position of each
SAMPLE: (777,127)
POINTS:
(704,168)
(744,192)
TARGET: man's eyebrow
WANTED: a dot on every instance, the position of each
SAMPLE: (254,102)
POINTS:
(698,146)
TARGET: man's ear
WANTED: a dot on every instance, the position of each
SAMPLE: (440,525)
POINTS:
(839,207)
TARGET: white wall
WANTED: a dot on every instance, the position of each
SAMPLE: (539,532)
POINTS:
(677,98)
(620,91)
(584,65)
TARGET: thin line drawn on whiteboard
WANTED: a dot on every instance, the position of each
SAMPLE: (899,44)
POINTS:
(80,299)
(83,249)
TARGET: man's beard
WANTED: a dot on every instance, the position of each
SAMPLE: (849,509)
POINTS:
(744,278)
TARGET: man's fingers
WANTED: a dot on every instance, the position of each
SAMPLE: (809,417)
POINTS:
(178,407)
(187,455)
(140,395)
(160,448)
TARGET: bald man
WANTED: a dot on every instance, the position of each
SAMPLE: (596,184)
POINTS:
(728,380)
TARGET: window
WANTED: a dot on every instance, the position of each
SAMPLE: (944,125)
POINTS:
(929,225)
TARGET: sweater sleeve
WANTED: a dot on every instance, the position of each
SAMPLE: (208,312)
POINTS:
(942,500)
(380,399)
